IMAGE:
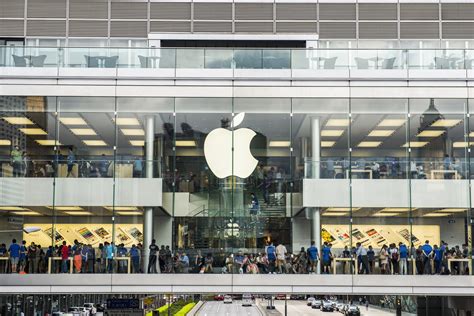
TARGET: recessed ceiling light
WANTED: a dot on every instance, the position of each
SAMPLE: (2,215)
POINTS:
(392,123)
(139,143)
(436,214)
(335,214)
(338,122)
(341,209)
(121,208)
(462,144)
(327,143)
(48,142)
(66,208)
(396,209)
(431,133)
(415,144)
(18,120)
(445,123)
(83,131)
(72,121)
(369,144)
(332,132)
(127,121)
(185,143)
(5,142)
(133,131)
(77,213)
(279,143)
(13,208)
(129,213)
(26,213)
(92,142)
(385,214)
(453,210)
(33,131)
(381,133)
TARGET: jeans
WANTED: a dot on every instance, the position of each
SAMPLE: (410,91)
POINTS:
(136,264)
(152,264)
(427,265)
(403,266)
(110,265)
(64,266)
(365,264)
(437,266)
(272,265)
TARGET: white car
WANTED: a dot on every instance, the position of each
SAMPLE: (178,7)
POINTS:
(91,308)
(78,311)
(310,300)
(339,307)
(317,304)
(227,299)
(247,300)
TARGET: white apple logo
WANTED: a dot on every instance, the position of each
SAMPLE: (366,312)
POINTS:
(218,150)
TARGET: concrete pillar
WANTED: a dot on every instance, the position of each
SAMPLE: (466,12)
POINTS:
(315,174)
(148,213)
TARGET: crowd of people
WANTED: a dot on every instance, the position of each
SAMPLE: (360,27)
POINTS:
(106,258)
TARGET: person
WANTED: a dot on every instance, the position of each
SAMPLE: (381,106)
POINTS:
(346,254)
(371,259)
(326,257)
(84,257)
(419,260)
(134,254)
(447,162)
(403,262)
(162,258)
(313,257)
(437,259)
(383,257)
(109,256)
(64,257)
(209,261)
(33,258)
(254,205)
(427,253)
(14,251)
(137,168)
(23,256)
(271,255)
(394,258)
(122,253)
(168,259)
(103,166)
(90,259)
(16,161)
(3,253)
(281,255)
(70,162)
(184,259)
(77,258)
(362,258)
(152,260)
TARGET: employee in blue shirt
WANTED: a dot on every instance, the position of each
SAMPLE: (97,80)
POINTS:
(326,257)
(135,256)
(437,259)
(403,251)
(14,251)
(313,257)
(427,254)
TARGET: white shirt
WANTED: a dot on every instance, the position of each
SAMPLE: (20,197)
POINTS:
(281,252)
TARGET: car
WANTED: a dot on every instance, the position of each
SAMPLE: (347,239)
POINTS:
(316,304)
(310,300)
(339,306)
(91,308)
(78,311)
(227,299)
(352,310)
(327,306)
(280,297)
(218,297)
(247,300)
(297,297)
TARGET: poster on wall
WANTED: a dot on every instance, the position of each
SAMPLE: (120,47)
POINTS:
(93,234)
(379,235)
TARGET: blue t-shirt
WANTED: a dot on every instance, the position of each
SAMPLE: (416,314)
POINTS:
(437,254)
(109,251)
(403,251)
(313,252)
(134,252)
(22,252)
(427,249)
(271,252)
(14,250)
(326,253)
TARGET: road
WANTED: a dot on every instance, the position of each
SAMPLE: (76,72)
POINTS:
(300,308)
(220,309)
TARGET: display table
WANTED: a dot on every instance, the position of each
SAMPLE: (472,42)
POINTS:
(350,260)
(127,260)
(50,261)
(469,263)
(443,172)
(62,172)
(7,261)
(368,171)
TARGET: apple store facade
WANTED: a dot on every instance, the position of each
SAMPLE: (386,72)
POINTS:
(222,175)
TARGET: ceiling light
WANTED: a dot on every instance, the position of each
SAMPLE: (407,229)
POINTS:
(332,132)
(129,213)
(72,121)
(26,213)
(92,142)
(33,131)
(392,123)
(66,208)
(338,122)
(471,134)
(127,121)
(415,144)
(78,213)
(133,131)
(396,209)
(385,214)
(381,133)
(185,143)
(369,144)
(48,142)
(327,143)
(335,214)
(279,143)
(436,214)
(461,144)
(121,208)
(13,208)
(5,142)
(431,133)
(453,210)
(341,209)
(83,131)
(139,143)
(18,120)
(445,123)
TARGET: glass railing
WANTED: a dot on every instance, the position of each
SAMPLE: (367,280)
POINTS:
(236,59)
(387,168)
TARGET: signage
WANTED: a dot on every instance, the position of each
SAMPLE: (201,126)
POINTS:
(124,312)
(123,303)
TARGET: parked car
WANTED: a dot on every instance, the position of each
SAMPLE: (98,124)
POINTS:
(352,310)
(78,311)
(227,299)
(247,300)
(339,306)
(316,304)
(327,306)
(91,308)
(310,300)
(280,297)
(218,297)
